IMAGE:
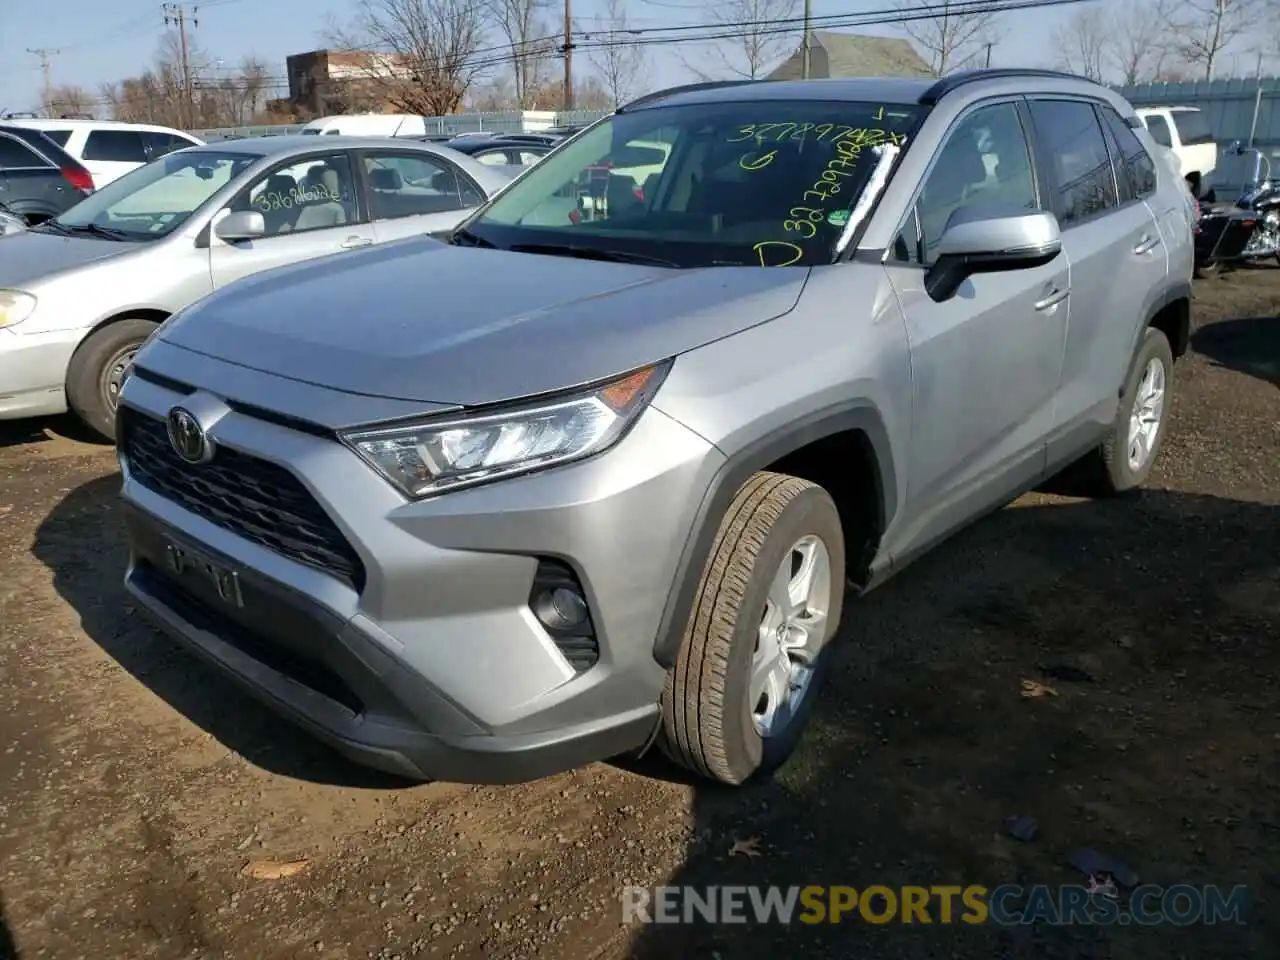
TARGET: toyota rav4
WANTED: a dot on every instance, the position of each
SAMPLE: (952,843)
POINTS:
(606,479)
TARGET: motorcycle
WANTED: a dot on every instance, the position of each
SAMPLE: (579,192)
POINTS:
(1247,230)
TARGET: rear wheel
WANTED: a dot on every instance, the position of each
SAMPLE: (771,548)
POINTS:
(740,694)
(97,372)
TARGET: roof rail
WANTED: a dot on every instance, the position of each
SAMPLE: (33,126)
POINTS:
(686,88)
(956,80)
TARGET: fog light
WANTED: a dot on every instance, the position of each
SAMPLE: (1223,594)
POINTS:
(560,605)
(560,609)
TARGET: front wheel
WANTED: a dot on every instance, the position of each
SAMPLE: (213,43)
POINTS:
(771,596)
(97,372)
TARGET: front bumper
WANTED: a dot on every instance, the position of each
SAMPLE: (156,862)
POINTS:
(33,372)
(436,668)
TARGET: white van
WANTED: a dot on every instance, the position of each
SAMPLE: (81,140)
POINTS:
(369,125)
(1185,131)
(109,148)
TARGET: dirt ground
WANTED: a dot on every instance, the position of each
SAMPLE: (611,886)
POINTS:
(135,785)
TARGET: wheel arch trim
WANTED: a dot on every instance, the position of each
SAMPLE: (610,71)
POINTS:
(860,416)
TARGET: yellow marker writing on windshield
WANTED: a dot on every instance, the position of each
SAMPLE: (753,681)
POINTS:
(767,249)
(751,162)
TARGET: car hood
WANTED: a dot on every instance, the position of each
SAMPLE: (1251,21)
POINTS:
(31,256)
(423,321)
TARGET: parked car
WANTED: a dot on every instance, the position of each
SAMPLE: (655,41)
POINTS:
(1185,131)
(38,179)
(502,150)
(10,223)
(80,293)
(109,149)
(601,481)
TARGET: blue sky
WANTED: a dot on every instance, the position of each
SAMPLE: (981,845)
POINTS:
(101,41)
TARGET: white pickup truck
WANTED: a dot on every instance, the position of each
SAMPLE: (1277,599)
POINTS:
(1186,132)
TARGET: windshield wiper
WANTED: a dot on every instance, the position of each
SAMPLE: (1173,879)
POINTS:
(96,231)
(591,253)
(472,240)
(52,225)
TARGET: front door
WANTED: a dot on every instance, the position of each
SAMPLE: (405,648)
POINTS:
(311,209)
(415,193)
(985,363)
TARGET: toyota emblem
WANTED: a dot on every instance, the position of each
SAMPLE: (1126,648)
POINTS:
(187,437)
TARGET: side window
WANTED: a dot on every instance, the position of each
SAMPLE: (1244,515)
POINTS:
(60,137)
(1159,130)
(116,146)
(528,158)
(984,161)
(14,153)
(492,158)
(309,194)
(1084,183)
(1134,167)
(407,185)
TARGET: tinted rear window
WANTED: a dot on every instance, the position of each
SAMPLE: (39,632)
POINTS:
(1193,127)
(117,146)
(14,153)
(60,137)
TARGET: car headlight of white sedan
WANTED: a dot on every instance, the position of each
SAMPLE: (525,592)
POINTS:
(15,306)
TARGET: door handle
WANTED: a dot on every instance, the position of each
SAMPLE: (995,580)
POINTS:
(1146,244)
(351,242)
(1053,299)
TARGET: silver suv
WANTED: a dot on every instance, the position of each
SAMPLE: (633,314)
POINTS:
(598,472)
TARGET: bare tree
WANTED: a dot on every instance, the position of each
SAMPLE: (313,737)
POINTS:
(68,100)
(418,54)
(949,40)
(1202,30)
(619,61)
(1082,43)
(523,24)
(1140,43)
(753,38)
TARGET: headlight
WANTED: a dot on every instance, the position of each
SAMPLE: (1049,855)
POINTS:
(15,306)
(433,456)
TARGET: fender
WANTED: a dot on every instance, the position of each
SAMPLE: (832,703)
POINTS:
(25,208)
(856,415)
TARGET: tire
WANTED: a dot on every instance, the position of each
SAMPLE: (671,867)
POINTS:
(709,712)
(96,363)
(1109,469)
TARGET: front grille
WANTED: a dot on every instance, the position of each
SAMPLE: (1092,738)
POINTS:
(251,497)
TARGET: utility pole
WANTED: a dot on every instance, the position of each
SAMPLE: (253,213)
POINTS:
(175,14)
(568,55)
(46,56)
(804,43)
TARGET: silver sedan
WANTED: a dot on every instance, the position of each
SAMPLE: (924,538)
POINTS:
(80,293)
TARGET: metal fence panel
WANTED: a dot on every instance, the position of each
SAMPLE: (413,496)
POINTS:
(452,125)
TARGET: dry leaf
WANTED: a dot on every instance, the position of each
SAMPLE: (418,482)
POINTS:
(1031,688)
(749,847)
(273,869)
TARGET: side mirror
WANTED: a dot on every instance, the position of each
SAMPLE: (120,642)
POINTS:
(990,240)
(241,225)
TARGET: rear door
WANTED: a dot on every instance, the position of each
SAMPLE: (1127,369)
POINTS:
(1117,259)
(111,153)
(311,209)
(414,193)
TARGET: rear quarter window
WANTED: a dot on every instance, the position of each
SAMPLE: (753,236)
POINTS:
(15,154)
(60,137)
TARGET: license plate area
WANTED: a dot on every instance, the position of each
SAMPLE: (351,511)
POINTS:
(183,561)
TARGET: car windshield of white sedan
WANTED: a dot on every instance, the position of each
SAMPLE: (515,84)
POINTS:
(154,200)
(766,183)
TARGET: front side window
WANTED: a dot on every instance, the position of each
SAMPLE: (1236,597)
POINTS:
(764,183)
(1135,169)
(984,162)
(1084,182)
(154,200)
(163,143)
(309,194)
(115,146)
(408,185)
(1159,130)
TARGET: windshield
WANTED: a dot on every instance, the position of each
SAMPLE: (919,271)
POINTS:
(154,200)
(312,131)
(766,183)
